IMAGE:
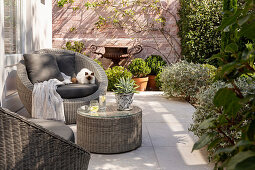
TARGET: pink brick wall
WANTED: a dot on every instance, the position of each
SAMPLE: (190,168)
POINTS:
(83,21)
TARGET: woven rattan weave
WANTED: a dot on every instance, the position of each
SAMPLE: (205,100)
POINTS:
(110,132)
(25,87)
(26,145)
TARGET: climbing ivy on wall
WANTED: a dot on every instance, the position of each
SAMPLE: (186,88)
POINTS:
(198,25)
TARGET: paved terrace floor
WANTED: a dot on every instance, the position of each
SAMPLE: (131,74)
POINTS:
(166,144)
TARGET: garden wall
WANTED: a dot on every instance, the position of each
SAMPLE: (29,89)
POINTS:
(79,25)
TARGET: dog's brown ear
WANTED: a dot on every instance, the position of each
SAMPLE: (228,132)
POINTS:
(86,73)
(92,74)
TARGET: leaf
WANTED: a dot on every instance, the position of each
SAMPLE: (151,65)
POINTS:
(218,56)
(251,131)
(243,20)
(227,98)
(232,48)
(228,21)
(232,148)
(239,158)
(206,123)
(247,164)
(204,140)
(214,143)
(224,150)
(248,30)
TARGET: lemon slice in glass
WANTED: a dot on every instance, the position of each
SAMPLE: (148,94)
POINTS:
(94,109)
(102,99)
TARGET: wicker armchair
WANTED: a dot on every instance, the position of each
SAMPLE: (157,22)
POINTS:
(25,87)
(26,145)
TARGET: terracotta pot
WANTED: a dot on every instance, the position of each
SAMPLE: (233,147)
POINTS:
(142,83)
(152,83)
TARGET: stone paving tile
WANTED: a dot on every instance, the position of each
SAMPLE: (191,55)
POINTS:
(169,134)
(143,158)
(181,158)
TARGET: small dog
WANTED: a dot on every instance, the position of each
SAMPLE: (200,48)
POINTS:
(85,76)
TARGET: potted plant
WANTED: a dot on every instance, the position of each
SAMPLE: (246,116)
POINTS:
(156,64)
(124,93)
(140,70)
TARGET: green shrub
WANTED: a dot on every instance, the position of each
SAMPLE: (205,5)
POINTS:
(184,80)
(76,46)
(206,110)
(156,64)
(157,79)
(114,74)
(198,23)
(139,68)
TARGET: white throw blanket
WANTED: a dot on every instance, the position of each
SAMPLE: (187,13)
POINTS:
(46,102)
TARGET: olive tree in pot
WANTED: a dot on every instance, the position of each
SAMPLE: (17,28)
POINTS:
(156,64)
(140,70)
(124,93)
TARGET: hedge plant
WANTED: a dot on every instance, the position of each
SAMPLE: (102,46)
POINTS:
(156,64)
(184,79)
(114,74)
(198,25)
(139,68)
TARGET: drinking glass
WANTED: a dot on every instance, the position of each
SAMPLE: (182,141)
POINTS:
(94,106)
(102,101)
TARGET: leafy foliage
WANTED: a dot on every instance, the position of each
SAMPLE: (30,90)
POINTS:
(139,68)
(206,113)
(236,59)
(114,74)
(198,25)
(61,3)
(157,79)
(125,85)
(156,64)
(184,79)
(76,46)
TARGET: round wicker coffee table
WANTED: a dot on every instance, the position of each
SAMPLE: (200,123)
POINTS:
(112,131)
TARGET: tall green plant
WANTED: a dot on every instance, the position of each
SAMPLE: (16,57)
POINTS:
(236,60)
(198,23)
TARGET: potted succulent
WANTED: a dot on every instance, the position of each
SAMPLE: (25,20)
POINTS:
(156,64)
(140,70)
(124,93)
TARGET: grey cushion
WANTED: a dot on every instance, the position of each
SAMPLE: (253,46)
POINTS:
(57,127)
(66,63)
(42,67)
(76,90)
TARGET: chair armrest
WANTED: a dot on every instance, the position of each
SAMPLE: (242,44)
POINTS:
(26,145)
(22,75)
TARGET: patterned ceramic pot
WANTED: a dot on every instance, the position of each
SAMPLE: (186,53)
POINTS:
(124,100)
